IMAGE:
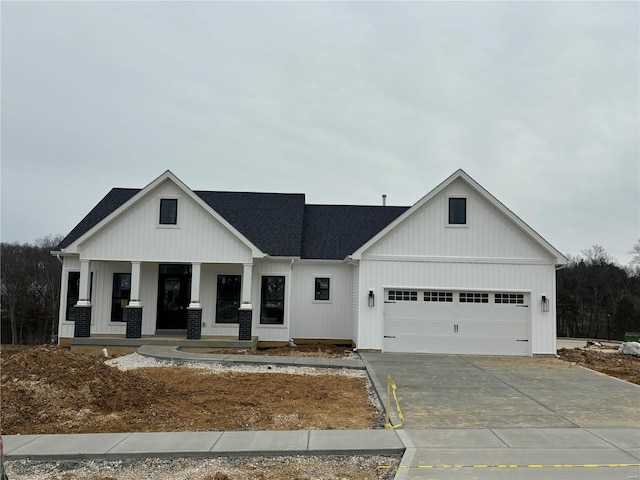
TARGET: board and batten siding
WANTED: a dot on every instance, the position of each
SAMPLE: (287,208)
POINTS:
(136,234)
(355,303)
(488,233)
(457,276)
(321,319)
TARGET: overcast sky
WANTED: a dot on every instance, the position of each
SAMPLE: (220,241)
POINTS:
(537,101)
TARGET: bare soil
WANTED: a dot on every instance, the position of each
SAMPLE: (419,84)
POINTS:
(625,367)
(52,390)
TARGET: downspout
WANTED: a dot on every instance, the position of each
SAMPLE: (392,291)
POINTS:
(289,298)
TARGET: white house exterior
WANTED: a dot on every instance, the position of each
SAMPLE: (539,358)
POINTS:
(455,273)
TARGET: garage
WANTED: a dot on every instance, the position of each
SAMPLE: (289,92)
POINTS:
(457,322)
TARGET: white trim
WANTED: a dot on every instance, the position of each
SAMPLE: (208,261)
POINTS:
(434,259)
(170,226)
(457,289)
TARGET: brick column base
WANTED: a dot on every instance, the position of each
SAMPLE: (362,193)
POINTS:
(133,317)
(194,323)
(244,330)
(82,327)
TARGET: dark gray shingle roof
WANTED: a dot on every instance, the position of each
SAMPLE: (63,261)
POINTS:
(279,224)
(335,231)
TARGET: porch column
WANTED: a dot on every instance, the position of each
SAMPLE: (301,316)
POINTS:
(245,312)
(133,311)
(194,311)
(82,327)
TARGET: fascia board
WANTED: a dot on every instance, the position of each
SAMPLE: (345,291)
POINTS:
(168,175)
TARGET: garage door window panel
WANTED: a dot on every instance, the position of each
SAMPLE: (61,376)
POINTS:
(473,297)
(510,298)
(402,296)
(438,297)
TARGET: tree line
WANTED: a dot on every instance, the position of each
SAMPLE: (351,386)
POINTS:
(596,298)
(30,285)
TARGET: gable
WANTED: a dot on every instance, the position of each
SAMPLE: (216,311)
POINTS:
(136,233)
(488,233)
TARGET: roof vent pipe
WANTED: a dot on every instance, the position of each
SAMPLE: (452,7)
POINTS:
(384,200)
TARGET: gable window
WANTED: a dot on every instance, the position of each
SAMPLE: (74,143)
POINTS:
(322,288)
(73,294)
(120,295)
(272,300)
(457,211)
(168,211)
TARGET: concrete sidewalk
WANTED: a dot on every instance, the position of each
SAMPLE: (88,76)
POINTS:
(174,353)
(113,446)
(520,453)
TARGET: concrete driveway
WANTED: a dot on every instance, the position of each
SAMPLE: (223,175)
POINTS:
(488,418)
(458,391)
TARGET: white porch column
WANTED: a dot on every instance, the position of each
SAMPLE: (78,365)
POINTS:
(135,285)
(245,291)
(84,293)
(195,285)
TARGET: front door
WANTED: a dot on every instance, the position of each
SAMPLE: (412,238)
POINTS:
(174,296)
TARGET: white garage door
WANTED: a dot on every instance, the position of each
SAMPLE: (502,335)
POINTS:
(479,323)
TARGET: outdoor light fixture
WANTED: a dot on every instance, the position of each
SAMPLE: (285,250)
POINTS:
(544,304)
(371,299)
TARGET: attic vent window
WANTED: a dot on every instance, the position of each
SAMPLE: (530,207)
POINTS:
(168,211)
(457,211)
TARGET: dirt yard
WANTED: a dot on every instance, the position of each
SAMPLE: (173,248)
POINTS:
(51,390)
(625,367)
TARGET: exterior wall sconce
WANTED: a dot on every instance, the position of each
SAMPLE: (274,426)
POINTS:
(544,304)
(371,300)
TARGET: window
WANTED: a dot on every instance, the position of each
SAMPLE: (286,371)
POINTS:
(168,211)
(474,297)
(457,211)
(403,296)
(120,295)
(73,294)
(515,298)
(438,296)
(322,288)
(272,300)
(228,298)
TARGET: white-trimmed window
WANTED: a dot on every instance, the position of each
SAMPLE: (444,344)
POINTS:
(322,289)
(168,211)
(513,298)
(438,296)
(403,296)
(457,211)
(474,297)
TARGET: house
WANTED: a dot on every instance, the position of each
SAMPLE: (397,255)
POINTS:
(457,272)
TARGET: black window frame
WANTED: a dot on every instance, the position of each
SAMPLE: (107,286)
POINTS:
(473,297)
(222,303)
(168,211)
(322,291)
(402,295)
(117,304)
(457,211)
(70,315)
(272,302)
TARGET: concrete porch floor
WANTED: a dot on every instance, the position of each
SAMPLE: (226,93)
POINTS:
(118,344)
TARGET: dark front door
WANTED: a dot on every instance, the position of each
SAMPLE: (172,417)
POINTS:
(174,296)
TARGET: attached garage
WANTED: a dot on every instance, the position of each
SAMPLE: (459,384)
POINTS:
(457,322)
